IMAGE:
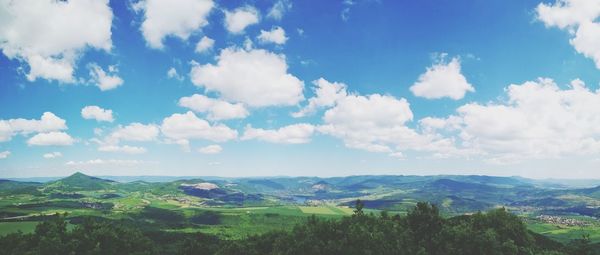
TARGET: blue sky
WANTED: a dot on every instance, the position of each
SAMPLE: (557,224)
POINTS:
(300,88)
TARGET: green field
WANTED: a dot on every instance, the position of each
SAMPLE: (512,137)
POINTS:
(11,227)
(565,233)
(237,223)
(322,210)
(243,207)
(233,222)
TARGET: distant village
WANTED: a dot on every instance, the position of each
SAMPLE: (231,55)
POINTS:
(557,220)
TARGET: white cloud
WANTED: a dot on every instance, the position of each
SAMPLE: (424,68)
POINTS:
(51,138)
(292,134)
(48,122)
(211,149)
(442,80)
(51,35)
(246,75)
(539,120)
(587,41)
(377,123)
(326,95)
(216,109)
(346,6)
(568,13)
(4,154)
(279,9)
(368,122)
(97,113)
(178,18)
(52,155)
(122,149)
(237,20)
(204,44)
(276,36)
(172,74)
(182,127)
(579,18)
(103,80)
(114,162)
(137,132)
(248,44)
(183,143)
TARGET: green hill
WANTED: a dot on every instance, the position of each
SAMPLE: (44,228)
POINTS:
(79,182)
(8,187)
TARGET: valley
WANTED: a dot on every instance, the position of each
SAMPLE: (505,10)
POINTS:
(235,208)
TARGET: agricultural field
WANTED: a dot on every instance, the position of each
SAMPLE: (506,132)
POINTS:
(564,233)
(12,227)
(237,208)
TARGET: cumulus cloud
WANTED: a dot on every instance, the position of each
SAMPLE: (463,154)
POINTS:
(177,18)
(211,149)
(579,18)
(48,122)
(568,13)
(355,115)
(378,123)
(4,154)
(183,127)
(134,132)
(103,80)
(326,95)
(137,132)
(50,139)
(122,149)
(587,41)
(539,120)
(205,44)
(52,155)
(237,20)
(51,35)
(275,35)
(97,113)
(172,74)
(442,80)
(246,75)
(292,134)
(216,109)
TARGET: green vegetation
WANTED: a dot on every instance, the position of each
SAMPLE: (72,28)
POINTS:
(565,234)
(238,210)
(12,227)
(421,231)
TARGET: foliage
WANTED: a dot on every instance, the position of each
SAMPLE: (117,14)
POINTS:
(91,237)
(421,231)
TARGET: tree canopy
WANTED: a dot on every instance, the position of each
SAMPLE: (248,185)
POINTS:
(421,231)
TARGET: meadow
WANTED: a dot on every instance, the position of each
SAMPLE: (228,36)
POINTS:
(240,208)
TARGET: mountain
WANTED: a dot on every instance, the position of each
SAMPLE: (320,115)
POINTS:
(15,187)
(458,186)
(455,194)
(79,182)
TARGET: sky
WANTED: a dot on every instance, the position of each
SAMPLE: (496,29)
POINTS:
(300,88)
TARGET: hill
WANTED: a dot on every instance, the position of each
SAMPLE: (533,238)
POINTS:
(233,208)
(14,187)
(422,231)
(79,182)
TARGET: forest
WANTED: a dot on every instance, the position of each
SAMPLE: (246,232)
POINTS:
(422,231)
